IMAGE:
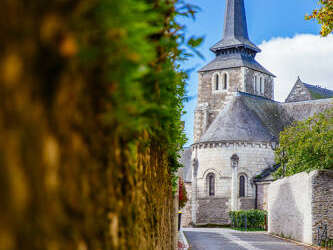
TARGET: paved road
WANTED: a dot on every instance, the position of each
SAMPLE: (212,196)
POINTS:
(226,239)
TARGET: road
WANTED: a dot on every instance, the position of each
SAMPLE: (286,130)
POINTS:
(227,239)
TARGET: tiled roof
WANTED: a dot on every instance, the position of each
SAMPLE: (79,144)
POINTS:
(318,92)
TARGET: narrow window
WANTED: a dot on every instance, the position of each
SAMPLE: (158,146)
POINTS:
(225,81)
(217,80)
(211,184)
(241,186)
(255,84)
(258,85)
(261,85)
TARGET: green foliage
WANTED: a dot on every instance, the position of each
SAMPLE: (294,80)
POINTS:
(255,218)
(91,98)
(306,146)
(324,16)
(182,194)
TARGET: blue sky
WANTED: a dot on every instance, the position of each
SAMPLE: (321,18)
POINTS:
(267,20)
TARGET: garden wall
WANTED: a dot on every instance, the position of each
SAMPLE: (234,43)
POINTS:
(298,204)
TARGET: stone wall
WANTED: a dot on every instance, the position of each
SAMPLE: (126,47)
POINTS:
(322,202)
(249,75)
(186,211)
(298,93)
(246,203)
(215,158)
(299,203)
(262,195)
(211,102)
(213,211)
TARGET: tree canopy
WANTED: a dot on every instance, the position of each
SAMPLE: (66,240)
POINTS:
(324,16)
(306,146)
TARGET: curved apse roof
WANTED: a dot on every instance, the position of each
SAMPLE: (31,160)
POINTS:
(237,122)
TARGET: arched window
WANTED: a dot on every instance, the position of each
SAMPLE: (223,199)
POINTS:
(242,186)
(257,84)
(217,82)
(225,81)
(211,184)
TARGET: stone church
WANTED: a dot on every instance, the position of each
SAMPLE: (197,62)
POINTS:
(229,165)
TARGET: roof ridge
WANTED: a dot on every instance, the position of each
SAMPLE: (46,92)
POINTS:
(257,96)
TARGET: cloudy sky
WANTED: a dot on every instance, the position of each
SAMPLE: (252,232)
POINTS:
(290,45)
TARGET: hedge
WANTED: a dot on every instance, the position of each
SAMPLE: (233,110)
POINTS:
(91,97)
(254,218)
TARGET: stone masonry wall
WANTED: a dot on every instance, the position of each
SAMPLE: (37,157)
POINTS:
(211,102)
(299,203)
(298,93)
(213,211)
(262,195)
(186,211)
(246,203)
(322,202)
(215,158)
(249,83)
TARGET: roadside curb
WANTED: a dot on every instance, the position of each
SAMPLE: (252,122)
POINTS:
(184,239)
(294,241)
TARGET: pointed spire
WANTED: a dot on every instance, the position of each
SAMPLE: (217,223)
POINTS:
(235,25)
(235,28)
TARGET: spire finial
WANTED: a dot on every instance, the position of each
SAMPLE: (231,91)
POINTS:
(235,32)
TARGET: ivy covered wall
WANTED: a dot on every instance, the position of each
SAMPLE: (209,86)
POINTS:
(89,123)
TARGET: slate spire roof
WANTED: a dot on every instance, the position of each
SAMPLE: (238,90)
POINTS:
(235,28)
(235,49)
(237,122)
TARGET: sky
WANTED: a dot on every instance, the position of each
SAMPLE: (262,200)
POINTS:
(291,46)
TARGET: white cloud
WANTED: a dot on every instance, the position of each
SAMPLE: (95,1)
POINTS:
(305,55)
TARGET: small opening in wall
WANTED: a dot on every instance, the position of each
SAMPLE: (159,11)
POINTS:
(217,81)
(225,81)
(242,186)
(211,185)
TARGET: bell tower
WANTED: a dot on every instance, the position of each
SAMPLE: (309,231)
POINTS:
(233,69)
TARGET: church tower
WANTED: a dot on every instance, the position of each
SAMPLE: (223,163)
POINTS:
(233,69)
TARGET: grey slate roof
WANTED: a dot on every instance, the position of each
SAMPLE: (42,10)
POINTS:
(235,28)
(234,61)
(266,173)
(253,118)
(235,49)
(237,122)
(318,92)
(186,171)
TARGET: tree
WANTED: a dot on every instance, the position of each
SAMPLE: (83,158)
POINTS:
(324,16)
(306,146)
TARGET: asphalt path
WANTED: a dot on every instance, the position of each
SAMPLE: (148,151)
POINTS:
(227,239)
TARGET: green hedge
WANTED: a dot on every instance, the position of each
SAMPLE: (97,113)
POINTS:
(253,218)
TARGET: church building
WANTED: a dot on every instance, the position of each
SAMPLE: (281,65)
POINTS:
(230,163)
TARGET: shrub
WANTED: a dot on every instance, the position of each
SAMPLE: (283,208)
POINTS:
(254,218)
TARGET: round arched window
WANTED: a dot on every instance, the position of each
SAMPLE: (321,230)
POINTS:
(211,184)
(242,186)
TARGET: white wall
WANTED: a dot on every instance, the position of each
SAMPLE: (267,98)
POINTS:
(290,207)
